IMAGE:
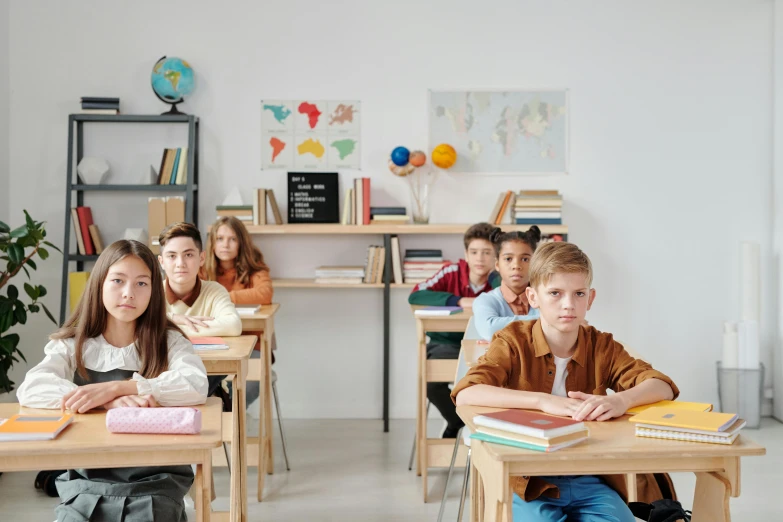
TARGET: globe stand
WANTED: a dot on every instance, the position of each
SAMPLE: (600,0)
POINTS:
(173,111)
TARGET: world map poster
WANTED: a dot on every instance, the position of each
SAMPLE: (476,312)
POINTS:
(310,134)
(523,131)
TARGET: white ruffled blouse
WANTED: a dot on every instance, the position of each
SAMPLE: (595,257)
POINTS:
(183,384)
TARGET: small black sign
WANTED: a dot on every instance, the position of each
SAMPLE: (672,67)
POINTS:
(313,197)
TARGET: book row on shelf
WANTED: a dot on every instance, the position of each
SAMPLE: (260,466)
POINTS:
(529,207)
(357,209)
(256,214)
(88,236)
(173,167)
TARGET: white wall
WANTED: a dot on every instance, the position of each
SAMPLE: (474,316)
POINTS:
(4,101)
(670,137)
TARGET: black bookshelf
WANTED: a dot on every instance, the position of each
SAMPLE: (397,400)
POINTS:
(76,186)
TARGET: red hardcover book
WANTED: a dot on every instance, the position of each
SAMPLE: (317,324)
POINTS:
(529,423)
(85,220)
(366,201)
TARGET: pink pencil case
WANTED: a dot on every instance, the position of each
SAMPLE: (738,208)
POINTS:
(182,421)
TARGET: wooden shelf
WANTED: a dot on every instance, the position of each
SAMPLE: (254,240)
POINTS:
(316,229)
(310,283)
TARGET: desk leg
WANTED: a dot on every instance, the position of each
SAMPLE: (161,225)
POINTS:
(238,441)
(240,393)
(262,411)
(476,495)
(202,488)
(711,499)
(497,497)
(630,483)
(268,332)
(421,410)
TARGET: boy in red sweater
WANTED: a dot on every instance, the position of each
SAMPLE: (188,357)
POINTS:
(456,285)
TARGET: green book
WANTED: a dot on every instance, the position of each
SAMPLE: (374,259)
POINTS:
(234,207)
(524,445)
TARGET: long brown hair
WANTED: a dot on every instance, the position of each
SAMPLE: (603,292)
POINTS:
(90,317)
(249,258)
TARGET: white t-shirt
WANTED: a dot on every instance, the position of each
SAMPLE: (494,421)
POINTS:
(476,288)
(559,386)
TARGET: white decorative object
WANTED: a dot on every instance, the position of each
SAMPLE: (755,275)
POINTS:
(93,171)
(749,345)
(149,178)
(234,198)
(138,234)
(730,345)
(750,281)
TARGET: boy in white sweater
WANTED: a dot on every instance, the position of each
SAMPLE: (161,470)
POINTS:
(200,308)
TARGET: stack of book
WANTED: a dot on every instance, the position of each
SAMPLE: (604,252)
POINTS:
(173,167)
(529,430)
(88,236)
(419,265)
(388,216)
(244,213)
(356,205)
(339,275)
(538,207)
(260,199)
(668,422)
(98,105)
(374,265)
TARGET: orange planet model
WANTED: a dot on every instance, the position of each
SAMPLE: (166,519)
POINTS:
(444,156)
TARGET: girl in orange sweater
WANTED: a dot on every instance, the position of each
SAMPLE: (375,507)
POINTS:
(233,261)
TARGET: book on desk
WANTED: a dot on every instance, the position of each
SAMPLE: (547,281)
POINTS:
(208,343)
(24,427)
(437,311)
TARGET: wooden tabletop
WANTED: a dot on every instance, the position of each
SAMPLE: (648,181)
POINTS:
(265,312)
(88,434)
(238,348)
(615,439)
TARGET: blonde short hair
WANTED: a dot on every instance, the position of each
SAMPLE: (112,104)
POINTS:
(557,258)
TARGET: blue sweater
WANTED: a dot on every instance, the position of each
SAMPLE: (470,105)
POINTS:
(491,313)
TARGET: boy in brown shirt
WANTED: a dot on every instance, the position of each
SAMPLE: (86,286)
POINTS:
(558,366)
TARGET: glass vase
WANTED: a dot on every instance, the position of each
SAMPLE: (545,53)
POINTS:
(421,182)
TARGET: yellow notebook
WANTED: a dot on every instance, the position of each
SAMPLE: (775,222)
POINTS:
(693,406)
(678,418)
(33,427)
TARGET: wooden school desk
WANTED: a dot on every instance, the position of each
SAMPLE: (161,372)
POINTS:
(234,362)
(611,449)
(435,452)
(86,443)
(263,320)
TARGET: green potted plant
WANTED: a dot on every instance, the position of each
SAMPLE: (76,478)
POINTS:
(18,247)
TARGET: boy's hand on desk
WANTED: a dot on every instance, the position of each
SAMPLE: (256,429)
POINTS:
(191,321)
(562,406)
(132,401)
(466,302)
(599,407)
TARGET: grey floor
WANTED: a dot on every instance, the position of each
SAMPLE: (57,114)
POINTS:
(348,470)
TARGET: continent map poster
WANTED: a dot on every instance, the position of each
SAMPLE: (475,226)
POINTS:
(310,134)
(493,132)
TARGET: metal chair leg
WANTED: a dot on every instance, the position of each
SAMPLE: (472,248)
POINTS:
(280,424)
(464,488)
(228,459)
(413,449)
(448,477)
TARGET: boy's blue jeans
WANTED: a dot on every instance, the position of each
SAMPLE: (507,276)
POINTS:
(582,499)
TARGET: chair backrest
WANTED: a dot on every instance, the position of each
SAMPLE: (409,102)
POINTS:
(470,330)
